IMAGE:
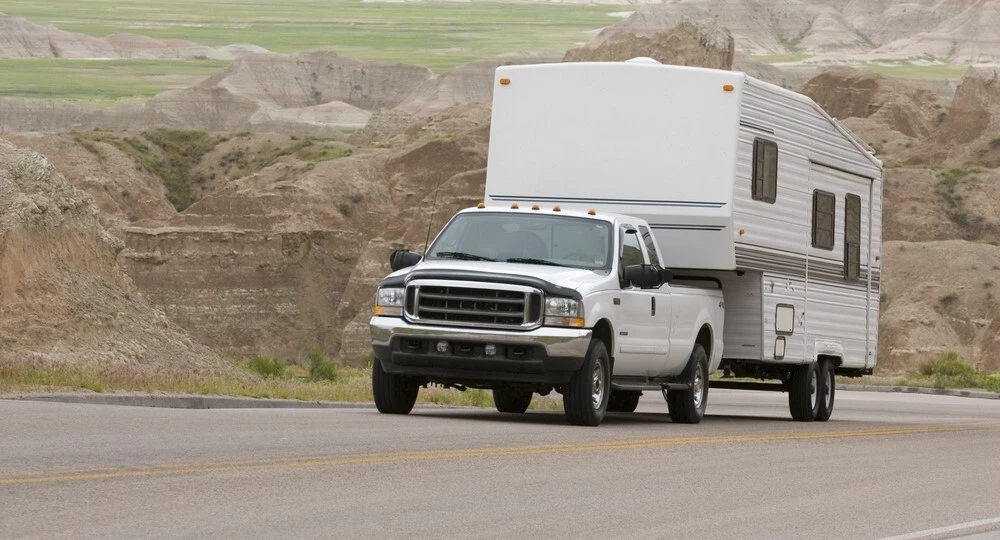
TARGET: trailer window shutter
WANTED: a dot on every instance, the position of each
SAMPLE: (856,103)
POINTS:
(852,237)
(824,216)
(765,170)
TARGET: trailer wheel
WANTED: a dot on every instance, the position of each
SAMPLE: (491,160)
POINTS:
(585,398)
(688,406)
(623,400)
(508,401)
(394,394)
(803,395)
(827,390)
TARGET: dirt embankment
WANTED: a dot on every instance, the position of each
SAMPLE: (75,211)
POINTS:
(63,295)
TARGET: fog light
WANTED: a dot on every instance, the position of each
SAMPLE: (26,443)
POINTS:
(442,347)
(490,350)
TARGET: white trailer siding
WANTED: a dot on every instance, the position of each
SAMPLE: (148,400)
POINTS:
(675,146)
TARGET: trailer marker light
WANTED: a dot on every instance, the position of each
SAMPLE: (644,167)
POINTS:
(742,232)
(481,205)
(514,206)
(534,207)
(591,212)
(556,208)
(505,81)
(728,87)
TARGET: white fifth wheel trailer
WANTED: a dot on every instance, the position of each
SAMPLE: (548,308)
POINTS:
(740,180)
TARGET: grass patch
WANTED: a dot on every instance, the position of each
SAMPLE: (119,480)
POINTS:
(267,366)
(350,384)
(174,155)
(100,83)
(949,370)
(926,71)
(440,35)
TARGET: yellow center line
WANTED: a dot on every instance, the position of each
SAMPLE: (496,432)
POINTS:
(354,459)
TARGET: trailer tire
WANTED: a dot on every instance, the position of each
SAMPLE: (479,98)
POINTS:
(623,400)
(394,394)
(508,401)
(585,398)
(803,394)
(688,406)
(827,390)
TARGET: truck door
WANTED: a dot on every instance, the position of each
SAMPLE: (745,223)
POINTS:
(641,318)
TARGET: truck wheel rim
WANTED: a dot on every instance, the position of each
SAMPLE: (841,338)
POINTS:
(813,390)
(698,387)
(598,387)
(827,389)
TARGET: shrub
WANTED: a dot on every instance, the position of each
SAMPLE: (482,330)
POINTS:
(948,299)
(320,368)
(268,366)
(950,370)
(345,209)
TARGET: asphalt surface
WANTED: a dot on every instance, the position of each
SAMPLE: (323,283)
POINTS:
(903,465)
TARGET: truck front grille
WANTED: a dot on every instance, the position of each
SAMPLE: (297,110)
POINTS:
(498,306)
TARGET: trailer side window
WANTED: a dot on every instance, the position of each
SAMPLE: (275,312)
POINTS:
(765,170)
(852,237)
(824,217)
(647,238)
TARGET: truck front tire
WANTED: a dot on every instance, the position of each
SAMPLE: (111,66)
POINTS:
(688,406)
(585,398)
(508,401)
(804,393)
(394,394)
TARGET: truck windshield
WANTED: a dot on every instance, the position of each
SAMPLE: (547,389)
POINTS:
(525,238)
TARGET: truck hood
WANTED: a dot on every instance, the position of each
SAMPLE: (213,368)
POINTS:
(573,278)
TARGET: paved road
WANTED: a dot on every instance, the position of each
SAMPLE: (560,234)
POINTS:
(886,465)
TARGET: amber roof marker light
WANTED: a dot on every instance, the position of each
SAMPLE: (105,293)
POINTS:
(504,81)
(728,87)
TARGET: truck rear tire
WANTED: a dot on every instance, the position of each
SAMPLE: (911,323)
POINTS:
(623,400)
(827,390)
(507,401)
(585,398)
(394,394)
(803,394)
(688,406)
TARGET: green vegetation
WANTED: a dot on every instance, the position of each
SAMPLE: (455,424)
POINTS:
(321,368)
(267,366)
(972,226)
(174,155)
(927,71)
(350,384)
(948,300)
(99,82)
(949,370)
(781,58)
(440,35)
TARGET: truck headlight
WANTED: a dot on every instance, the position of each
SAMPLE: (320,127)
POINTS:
(389,301)
(564,312)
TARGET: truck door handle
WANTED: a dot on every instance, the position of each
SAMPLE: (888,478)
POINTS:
(652,306)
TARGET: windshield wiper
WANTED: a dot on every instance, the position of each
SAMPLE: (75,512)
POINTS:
(533,261)
(463,256)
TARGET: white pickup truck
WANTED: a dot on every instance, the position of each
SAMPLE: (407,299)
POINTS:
(531,300)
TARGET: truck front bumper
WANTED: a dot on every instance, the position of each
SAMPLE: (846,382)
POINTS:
(469,356)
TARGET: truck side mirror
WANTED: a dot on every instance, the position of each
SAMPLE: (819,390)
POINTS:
(647,276)
(666,276)
(403,258)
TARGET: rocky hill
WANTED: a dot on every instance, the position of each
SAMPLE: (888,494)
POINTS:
(273,243)
(63,295)
(839,31)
